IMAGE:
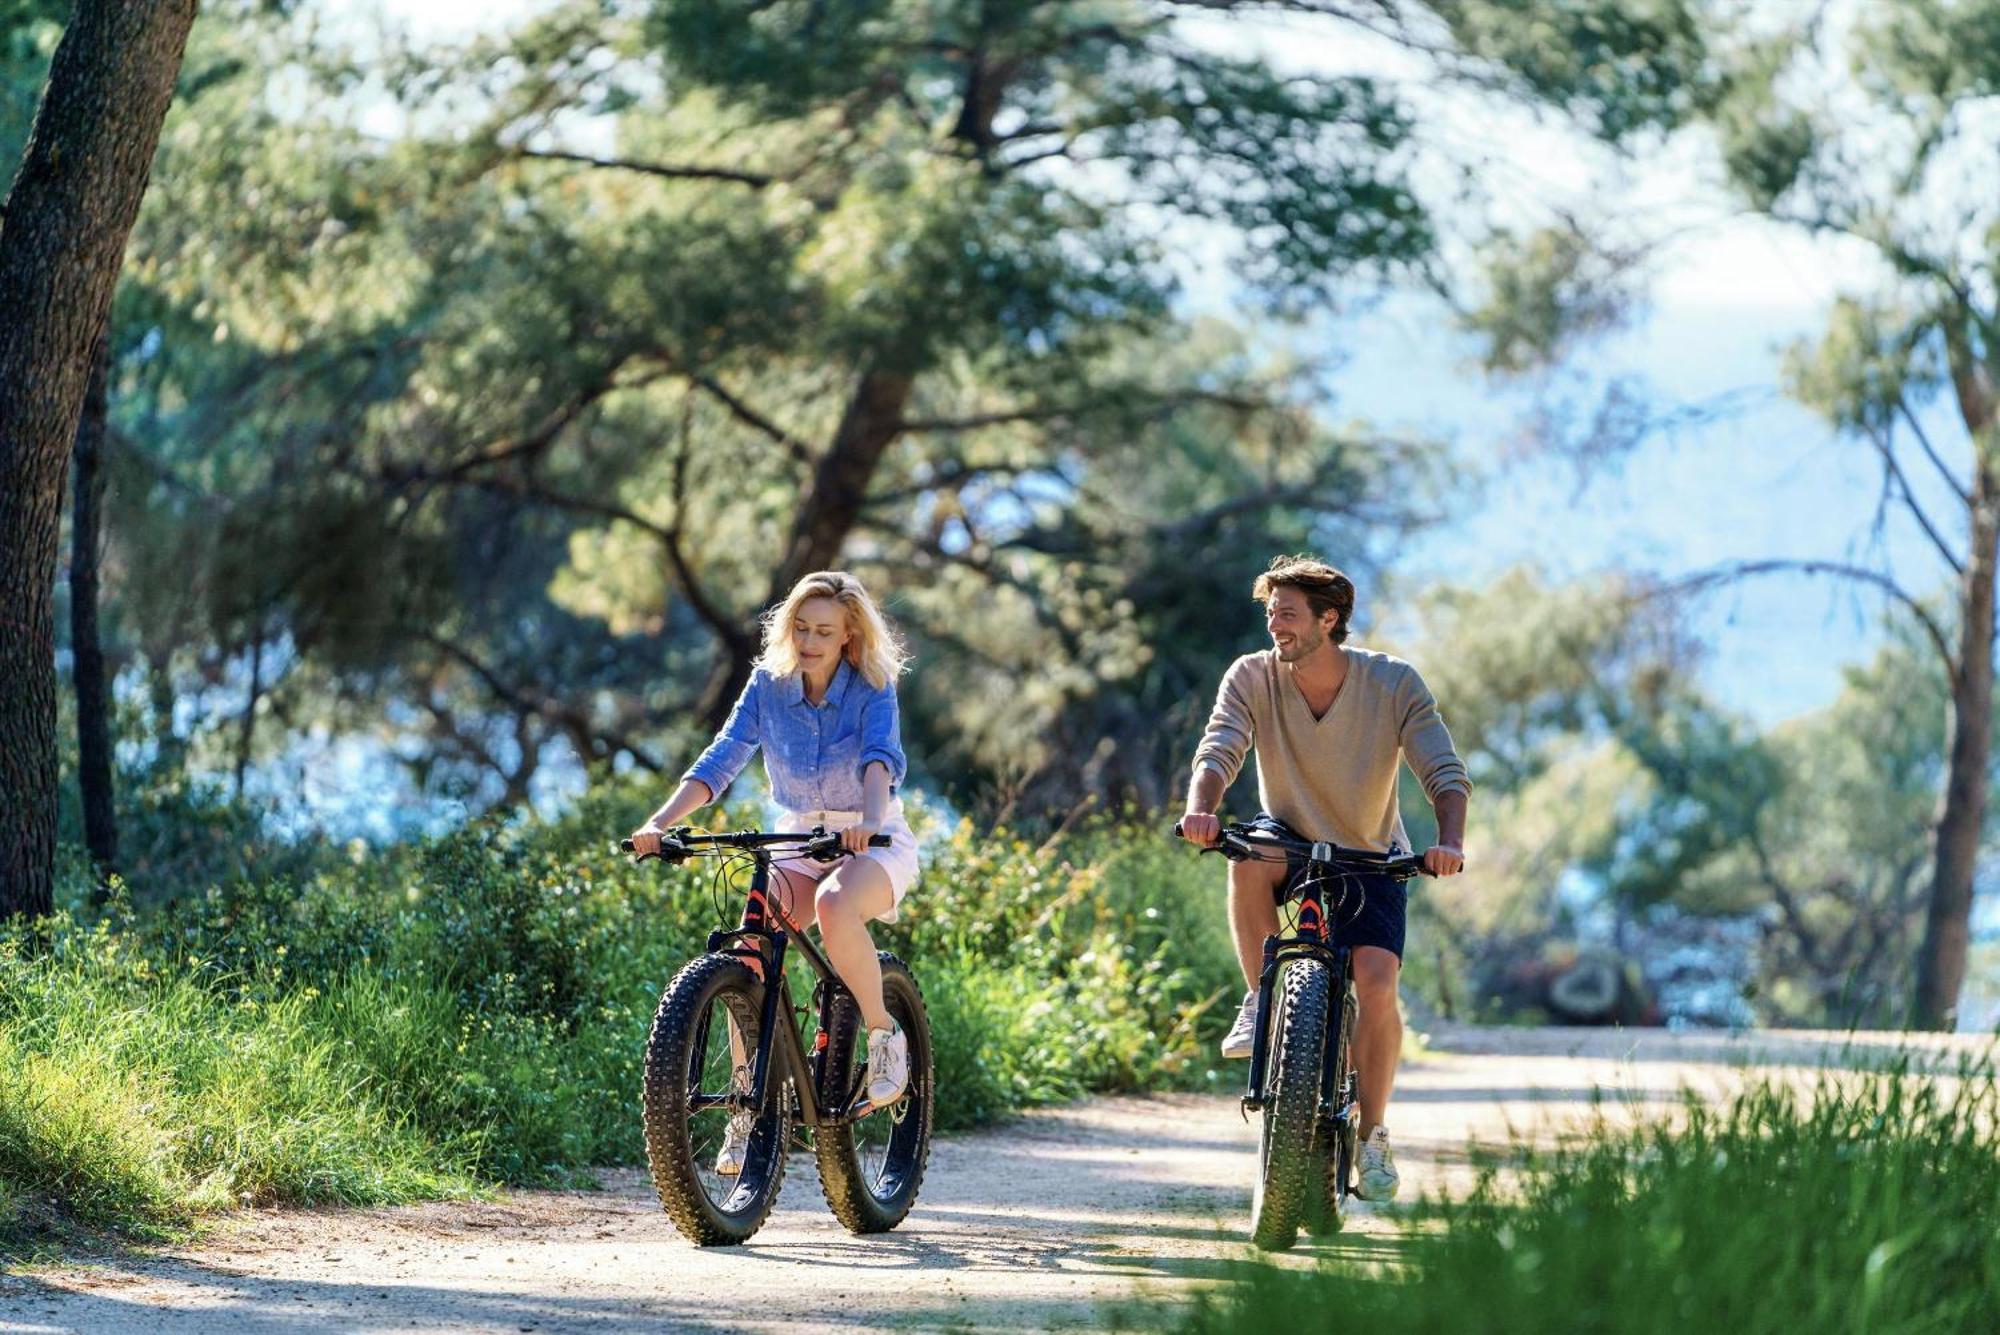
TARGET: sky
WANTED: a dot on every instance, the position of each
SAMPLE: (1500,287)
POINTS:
(1764,480)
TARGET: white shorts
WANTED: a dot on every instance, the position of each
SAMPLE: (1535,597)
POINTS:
(899,859)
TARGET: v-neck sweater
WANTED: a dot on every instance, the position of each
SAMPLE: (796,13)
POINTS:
(1333,777)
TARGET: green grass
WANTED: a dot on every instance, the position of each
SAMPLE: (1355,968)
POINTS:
(1873,1206)
(372,1026)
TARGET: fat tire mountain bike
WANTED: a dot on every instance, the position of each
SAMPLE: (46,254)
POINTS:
(728,1038)
(1303,1082)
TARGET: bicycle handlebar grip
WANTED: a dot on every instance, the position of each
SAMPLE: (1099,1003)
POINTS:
(829,848)
(627,846)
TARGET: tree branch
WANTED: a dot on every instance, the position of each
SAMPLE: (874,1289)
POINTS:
(540,438)
(1885,445)
(1742,570)
(1810,946)
(800,451)
(568,717)
(1958,489)
(726,626)
(666,171)
(983,567)
(1055,412)
(958,476)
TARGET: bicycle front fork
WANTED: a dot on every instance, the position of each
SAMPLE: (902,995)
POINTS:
(1260,1059)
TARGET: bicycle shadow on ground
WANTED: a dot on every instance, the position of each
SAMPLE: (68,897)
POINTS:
(256,1305)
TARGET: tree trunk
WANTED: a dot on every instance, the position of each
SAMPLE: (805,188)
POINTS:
(828,512)
(1941,962)
(66,223)
(246,738)
(93,688)
(171,757)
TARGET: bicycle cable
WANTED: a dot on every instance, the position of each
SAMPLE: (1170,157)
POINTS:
(1317,875)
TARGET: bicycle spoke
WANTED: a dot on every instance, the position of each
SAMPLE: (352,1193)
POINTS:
(712,1072)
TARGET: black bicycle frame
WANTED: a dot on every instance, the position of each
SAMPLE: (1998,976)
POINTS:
(757,942)
(1311,939)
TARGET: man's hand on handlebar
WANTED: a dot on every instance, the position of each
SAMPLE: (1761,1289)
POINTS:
(1444,860)
(1201,828)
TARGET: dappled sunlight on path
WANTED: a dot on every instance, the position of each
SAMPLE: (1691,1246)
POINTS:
(1036,1225)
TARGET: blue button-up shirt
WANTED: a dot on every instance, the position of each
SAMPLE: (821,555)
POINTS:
(813,754)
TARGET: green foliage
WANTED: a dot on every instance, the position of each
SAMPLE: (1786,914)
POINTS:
(1091,962)
(381,1025)
(498,440)
(1548,292)
(1868,1207)
(29,30)
(1620,66)
(1602,768)
(1864,365)
(148,1091)
(1766,144)
(1936,50)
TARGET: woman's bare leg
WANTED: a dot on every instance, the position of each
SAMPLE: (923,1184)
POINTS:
(857,891)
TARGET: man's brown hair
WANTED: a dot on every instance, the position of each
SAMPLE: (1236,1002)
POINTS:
(1325,588)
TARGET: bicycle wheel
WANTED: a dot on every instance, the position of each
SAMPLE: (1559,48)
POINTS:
(871,1169)
(1339,1139)
(1288,1150)
(691,1053)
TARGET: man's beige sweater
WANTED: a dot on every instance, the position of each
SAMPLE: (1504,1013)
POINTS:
(1332,778)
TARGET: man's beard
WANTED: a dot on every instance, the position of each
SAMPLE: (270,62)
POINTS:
(1302,645)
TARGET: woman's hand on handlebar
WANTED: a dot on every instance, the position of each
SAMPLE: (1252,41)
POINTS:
(855,837)
(645,840)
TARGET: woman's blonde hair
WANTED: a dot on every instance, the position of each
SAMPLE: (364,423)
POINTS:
(872,648)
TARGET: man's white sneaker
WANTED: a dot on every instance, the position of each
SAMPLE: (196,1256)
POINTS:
(888,1067)
(1242,1035)
(736,1137)
(1379,1178)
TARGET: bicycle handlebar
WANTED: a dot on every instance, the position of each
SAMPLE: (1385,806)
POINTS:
(1238,843)
(816,843)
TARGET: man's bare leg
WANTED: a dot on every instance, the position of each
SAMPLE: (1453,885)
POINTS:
(1378,1031)
(1253,913)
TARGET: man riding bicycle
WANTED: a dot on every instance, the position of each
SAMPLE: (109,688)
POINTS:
(1329,723)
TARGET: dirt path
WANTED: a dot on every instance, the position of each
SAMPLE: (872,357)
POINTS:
(1036,1225)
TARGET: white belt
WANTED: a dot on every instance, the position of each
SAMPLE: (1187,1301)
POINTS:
(830,818)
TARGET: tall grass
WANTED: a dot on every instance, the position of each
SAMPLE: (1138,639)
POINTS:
(1871,1206)
(382,1025)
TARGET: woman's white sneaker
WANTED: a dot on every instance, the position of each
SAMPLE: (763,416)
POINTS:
(1379,1178)
(1242,1035)
(736,1136)
(888,1067)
